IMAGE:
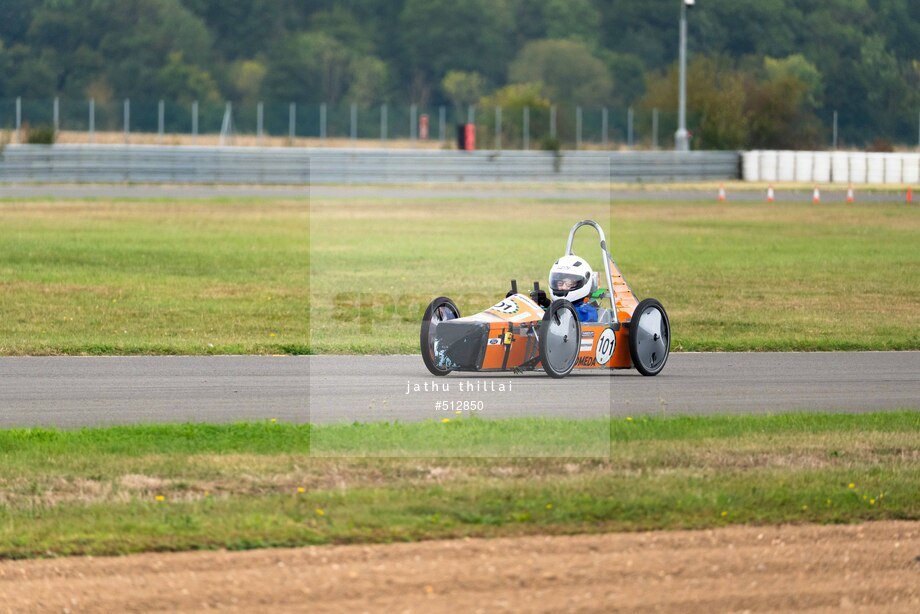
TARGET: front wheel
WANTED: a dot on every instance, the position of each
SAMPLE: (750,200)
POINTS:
(439,310)
(560,338)
(649,337)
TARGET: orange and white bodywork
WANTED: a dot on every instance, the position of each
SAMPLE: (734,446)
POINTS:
(507,335)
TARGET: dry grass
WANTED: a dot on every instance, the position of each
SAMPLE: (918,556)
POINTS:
(252,475)
(211,140)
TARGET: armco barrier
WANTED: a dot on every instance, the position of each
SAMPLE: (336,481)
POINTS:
(178,164)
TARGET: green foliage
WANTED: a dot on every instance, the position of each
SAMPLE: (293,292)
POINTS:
(184,82)
(567,69)
(796,67)
(40,135)
(311,66)
(628,72)
(513,99)
(715,94)
(441,35)
(247,77)
(368,80)
(463,88)
(779,115)
(735,109)
(569,19)
(856,57)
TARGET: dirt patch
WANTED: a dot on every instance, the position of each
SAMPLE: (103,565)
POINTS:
(869,567)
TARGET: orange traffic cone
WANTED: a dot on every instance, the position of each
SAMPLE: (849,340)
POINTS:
(850,197)
(910,194)
(770,194)
(816,196)
(721,193)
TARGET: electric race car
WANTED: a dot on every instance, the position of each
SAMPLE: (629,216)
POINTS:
(525,333)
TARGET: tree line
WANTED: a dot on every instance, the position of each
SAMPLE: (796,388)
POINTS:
(762,73)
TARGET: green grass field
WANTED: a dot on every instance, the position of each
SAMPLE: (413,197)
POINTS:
(237,275)
(157,277)
(733,277)
(187,487)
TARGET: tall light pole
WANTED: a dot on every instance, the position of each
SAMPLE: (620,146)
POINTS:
(681,138)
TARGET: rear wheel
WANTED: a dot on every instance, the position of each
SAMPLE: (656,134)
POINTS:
(649,337)
(560,339)
(439,310)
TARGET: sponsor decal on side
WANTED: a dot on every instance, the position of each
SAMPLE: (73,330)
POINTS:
(587,341)
(585,361)
(495,341)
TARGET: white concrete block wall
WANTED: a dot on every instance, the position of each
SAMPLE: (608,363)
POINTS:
(875,168)
(821,167)
(750,166)
(858,167)
(768,166)
(785,166)
(804,166)
(840,166)
(911,168)
(893,168)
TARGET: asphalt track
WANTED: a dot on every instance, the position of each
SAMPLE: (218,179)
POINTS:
(87,391)
(545,192)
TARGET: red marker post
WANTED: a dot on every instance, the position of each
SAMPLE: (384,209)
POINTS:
(423,127)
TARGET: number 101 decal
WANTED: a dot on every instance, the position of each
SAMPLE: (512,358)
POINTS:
(507,306)
(605,347)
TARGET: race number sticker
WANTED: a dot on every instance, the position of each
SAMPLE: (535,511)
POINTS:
(605,346)
(506,307)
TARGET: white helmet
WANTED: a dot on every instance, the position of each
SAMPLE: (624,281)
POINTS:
(572,278)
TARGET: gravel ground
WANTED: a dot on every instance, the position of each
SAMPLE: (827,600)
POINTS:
(870,567)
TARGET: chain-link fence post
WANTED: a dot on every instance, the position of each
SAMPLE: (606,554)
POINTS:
(260,122)
(498,128)
(442,123)
(92,120)
(322,121)
(161,120)
(604,127)
(18,119)
(354,123)
(629,127)
(127,114)
(526,128)
(577,127)
(383,122)
(194,121)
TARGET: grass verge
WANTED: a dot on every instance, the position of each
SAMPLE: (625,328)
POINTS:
(732,276)
(264,276)
(183,487)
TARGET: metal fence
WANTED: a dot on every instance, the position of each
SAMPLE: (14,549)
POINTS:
(574,127)
(498,127)
(288,165)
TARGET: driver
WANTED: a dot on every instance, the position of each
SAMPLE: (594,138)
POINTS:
(571,278)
